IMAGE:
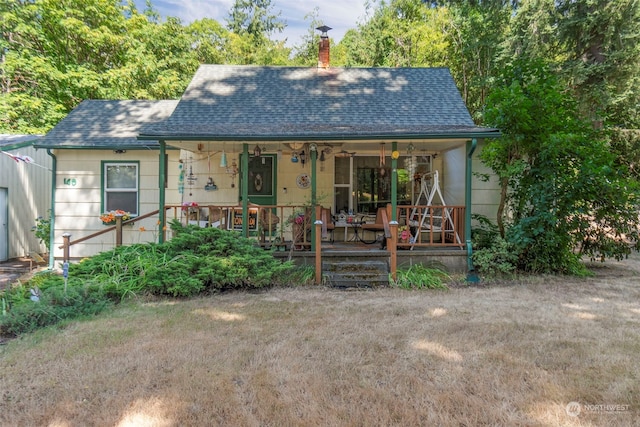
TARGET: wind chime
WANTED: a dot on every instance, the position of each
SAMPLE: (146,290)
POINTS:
(191,178)
(382,159)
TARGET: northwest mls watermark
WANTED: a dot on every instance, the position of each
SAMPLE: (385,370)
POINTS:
(575,408)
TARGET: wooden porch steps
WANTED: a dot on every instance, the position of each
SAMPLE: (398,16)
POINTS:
(347,272)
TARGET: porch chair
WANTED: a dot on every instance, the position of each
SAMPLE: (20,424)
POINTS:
(268,224)
(328,225)
(380,227)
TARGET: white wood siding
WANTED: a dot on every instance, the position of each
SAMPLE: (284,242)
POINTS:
(484,195)
(78,197)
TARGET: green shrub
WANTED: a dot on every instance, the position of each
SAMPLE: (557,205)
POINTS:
(498,258)
(196,260)
(420,277)
(53,307)
(42,229)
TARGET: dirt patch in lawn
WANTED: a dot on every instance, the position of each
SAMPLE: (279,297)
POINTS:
(541,351)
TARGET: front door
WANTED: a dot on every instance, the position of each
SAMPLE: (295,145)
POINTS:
(262,180)
(4,226)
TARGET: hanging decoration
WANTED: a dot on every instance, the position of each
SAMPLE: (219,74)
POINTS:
(210,185)
(181,178)
(191,180)
(223,159)
(257,151)
(233,171)
(382,155)
(294,157)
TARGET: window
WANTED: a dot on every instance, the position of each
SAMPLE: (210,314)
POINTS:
(363,185)
(120,187)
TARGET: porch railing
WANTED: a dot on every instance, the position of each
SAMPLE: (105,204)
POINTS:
(287,227)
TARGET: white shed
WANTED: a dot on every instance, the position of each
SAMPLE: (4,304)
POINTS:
(25,194)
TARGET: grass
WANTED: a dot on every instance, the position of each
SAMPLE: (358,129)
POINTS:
(508,354)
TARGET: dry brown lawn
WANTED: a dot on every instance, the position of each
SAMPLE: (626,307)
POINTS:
(545,352)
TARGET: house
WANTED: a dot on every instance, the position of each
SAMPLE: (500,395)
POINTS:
(353,140)
(99,165)
(25,195)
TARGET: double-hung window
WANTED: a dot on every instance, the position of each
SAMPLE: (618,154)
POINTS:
(120,186)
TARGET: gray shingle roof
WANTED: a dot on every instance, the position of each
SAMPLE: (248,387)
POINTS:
(106,124)
(10,142)
(250,102)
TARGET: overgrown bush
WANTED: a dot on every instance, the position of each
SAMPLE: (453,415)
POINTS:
(196,260)
(54,305)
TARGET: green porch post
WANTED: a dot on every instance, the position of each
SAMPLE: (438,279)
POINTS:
(394,181)
(314,157)
(471,274)
(245,189)
(52,216)
(161,197)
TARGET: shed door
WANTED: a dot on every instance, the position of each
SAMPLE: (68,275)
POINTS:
(4,227)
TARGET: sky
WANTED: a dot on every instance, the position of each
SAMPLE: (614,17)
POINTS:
(340,15)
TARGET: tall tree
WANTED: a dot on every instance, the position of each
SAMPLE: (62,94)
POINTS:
(56,55)
(475,34)
(255,18)
(306,53)
(602,39)
(561,186)
(253,23)
(402,33)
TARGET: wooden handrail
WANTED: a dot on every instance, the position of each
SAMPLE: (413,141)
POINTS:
(108,229)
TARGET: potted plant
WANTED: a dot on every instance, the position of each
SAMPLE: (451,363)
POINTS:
(403,234)
(109,218)
(191,209)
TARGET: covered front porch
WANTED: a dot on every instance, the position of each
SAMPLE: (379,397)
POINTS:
(396,205)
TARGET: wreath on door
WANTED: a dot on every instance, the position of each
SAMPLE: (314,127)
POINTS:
(257,183)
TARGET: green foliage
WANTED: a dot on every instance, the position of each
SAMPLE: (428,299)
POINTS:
(55,305)
(42,229)
(419,276)
(496,258)
(561,186)
(254,17)
(401,33)
(196,260)
(299,276)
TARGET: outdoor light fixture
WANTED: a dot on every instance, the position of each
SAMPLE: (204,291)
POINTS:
(257,151)
(303,157)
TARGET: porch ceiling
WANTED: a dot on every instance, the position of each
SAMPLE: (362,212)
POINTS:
(434,145)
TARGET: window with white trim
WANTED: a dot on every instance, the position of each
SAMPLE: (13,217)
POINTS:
(120,186)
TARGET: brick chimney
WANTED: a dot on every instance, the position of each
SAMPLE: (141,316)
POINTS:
(323,49)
